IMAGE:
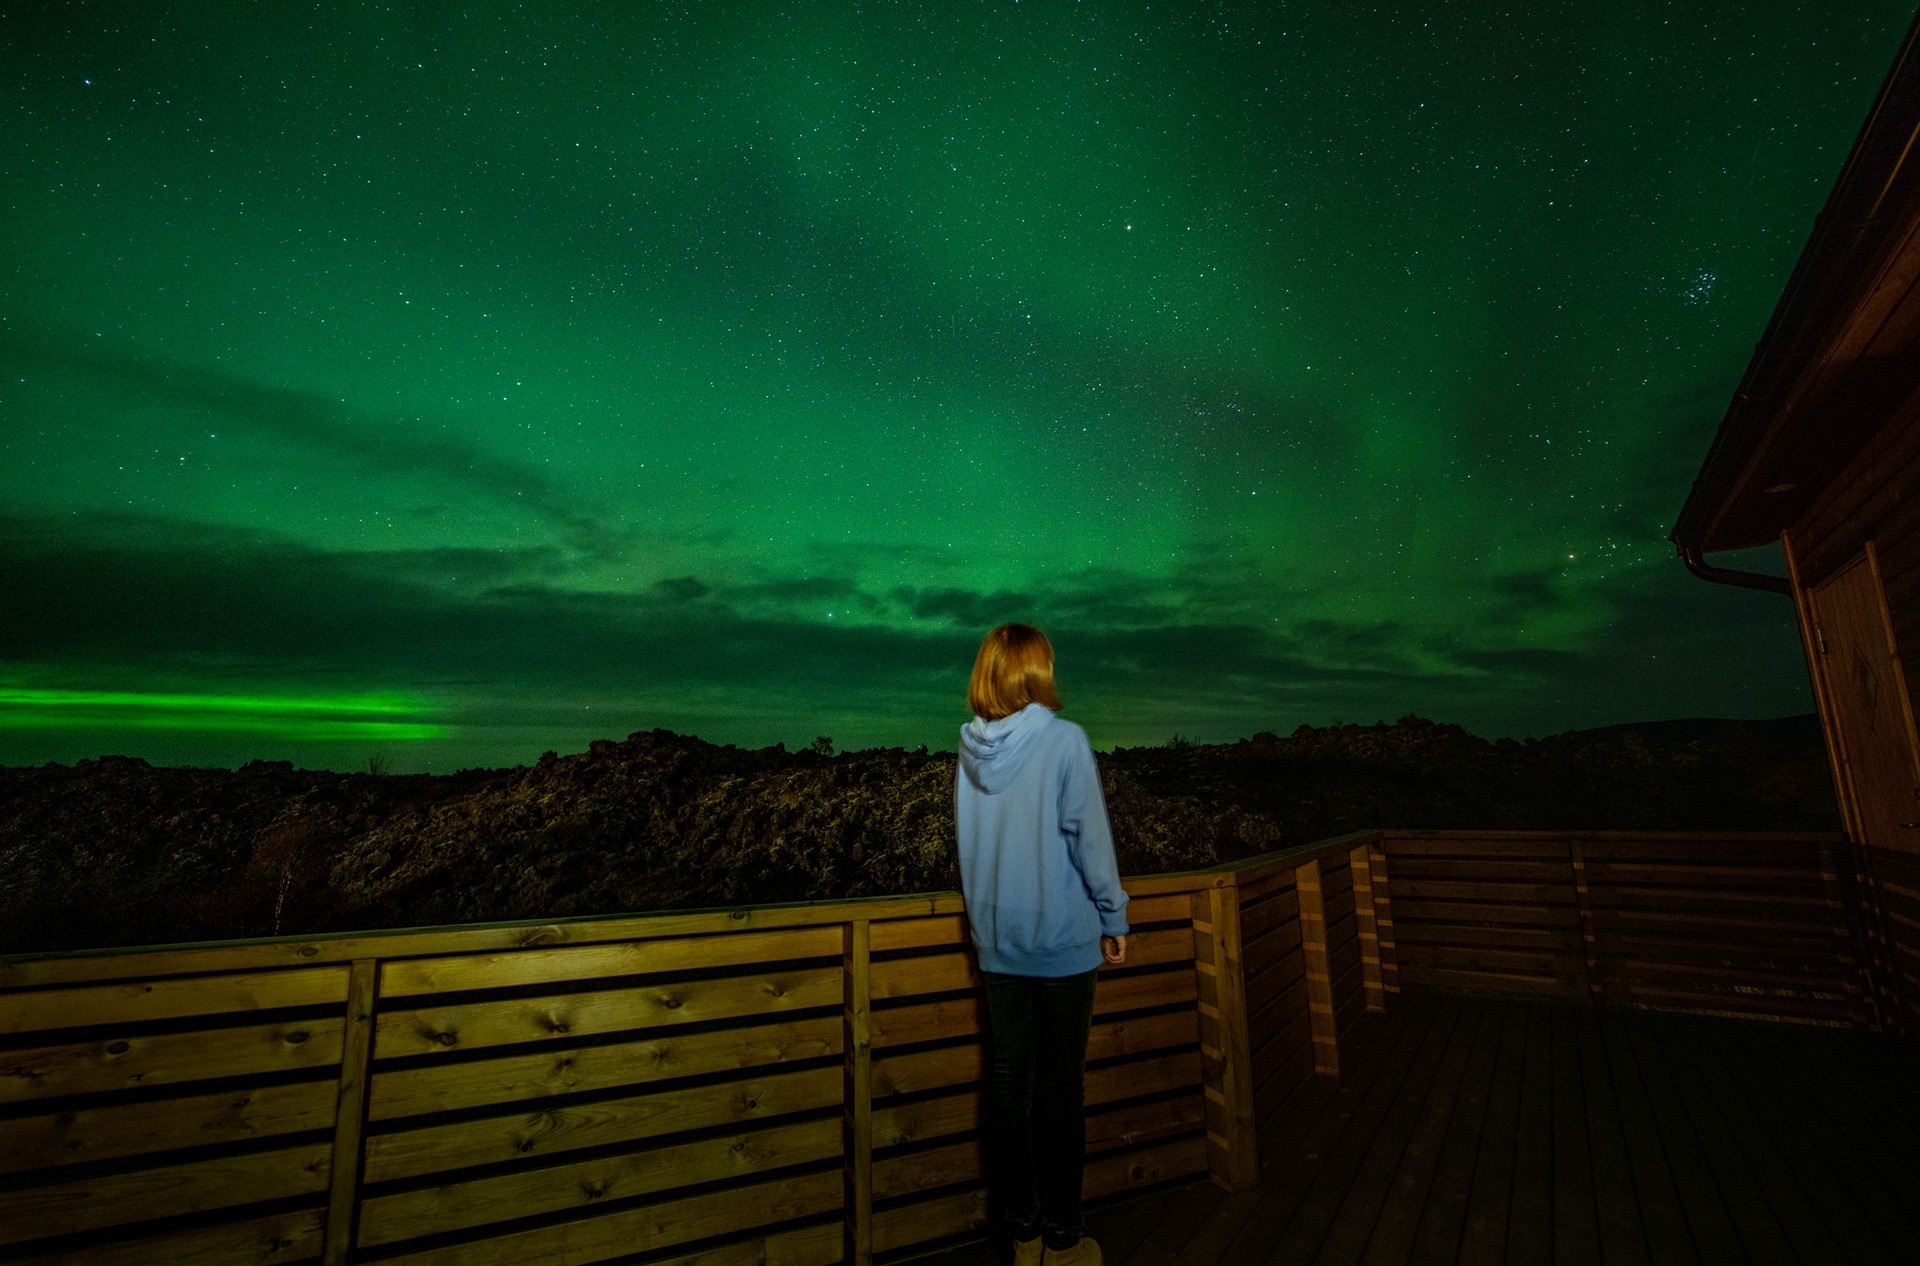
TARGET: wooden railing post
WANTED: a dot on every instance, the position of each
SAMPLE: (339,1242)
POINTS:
(1583,900)
(350,1112)
(1226,1057)
(1367,927)
(857,1094)
(1851,931)
(1381,878)
(1313,946)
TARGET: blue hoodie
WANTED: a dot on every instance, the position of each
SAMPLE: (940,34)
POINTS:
(1036,856)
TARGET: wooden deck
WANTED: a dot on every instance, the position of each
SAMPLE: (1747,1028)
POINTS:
(1470,1131)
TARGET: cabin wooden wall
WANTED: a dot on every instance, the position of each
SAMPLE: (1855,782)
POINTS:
(1877,498)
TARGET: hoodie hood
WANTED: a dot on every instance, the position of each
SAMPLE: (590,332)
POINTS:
(992,753)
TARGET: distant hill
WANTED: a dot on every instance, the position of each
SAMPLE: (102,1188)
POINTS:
(118,852)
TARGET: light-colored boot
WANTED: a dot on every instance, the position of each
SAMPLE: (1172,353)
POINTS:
(1028,1252)
(1085,1253)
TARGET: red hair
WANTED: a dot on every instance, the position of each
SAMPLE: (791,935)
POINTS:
(1013,669)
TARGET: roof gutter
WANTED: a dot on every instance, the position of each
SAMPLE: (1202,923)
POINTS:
(1690,555)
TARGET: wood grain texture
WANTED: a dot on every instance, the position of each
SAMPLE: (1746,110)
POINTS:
(608,1122)
(1233,1158)
(135,1001)
(538,966)
(350,1113)
(1320,1001)
(570,1070)
(582,1185)
(142,1194)
(167,1059)
(439,1030)
(657,1226)
(856,1092)
(284,1237)
(112,1130)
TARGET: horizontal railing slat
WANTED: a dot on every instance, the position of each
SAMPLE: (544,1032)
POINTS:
(658,1226)
(601,1123)
(281,1237)
(579,1185)
(477,1025)
(578,1069)
(177,998)
(141,1060)
(453,973)
(112,1131)
(117,1199)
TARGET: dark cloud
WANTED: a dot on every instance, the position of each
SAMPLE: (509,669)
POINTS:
(96,599)
(309,421)
(681,588)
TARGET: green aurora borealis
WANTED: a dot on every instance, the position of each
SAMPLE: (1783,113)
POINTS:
(445,382)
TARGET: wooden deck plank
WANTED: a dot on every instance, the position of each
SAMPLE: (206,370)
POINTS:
(1300,1127)
(1437,1241)
(1830,1124)
(1383,1065)
(1663,1219)
(1483,1234)
(1400,1147)
(1800,1222)
(1388,1228)
(1576,1220)
(1616,1209)
(1482,1130)
(1141,1219)
(1530,1216)
(1714,1237)
(1880,1110)
(1753,1216)
(1853,1225)
(1385,1116)
(1164,1244)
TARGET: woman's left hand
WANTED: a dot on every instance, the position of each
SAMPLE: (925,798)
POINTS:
(1113,949)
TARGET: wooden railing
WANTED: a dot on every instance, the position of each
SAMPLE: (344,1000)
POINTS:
(801,1083)
(1761,926)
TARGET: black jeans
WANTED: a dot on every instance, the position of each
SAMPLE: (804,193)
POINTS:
(1036,1117)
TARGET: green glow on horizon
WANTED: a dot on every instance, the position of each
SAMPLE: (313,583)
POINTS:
(392,704)
(320,719)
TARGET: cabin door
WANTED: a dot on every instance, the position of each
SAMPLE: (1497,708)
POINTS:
(1868,709)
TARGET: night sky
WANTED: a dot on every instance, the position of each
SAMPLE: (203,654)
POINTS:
(434,384)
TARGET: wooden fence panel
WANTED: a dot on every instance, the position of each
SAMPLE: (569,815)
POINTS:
(1279,1032)
(1892,882)
(602,1061)
(1750,926)
(132,1103)
(1486,914)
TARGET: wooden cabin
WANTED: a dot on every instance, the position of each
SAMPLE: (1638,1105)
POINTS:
(1820,451)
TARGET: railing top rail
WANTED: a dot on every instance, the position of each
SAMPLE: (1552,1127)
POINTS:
(1692,837)
(20,971)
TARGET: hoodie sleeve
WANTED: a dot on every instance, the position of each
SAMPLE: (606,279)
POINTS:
(1083,822)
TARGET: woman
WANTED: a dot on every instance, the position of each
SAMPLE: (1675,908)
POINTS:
(1045,908)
